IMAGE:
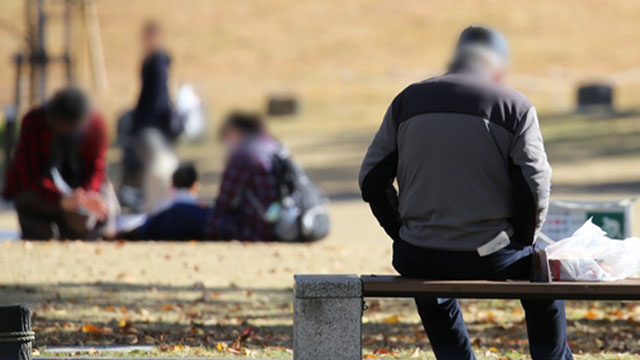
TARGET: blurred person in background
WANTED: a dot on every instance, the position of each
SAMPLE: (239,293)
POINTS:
(248,187)
(180,217)
(57,178)
(154,107)
(474,186)
(153,115)
(159,161)
(184,187)
(264,195)
(249,184)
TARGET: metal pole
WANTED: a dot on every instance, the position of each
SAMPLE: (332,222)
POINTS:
(13,114)
(35,18)
(19,61)
(31,45)
(96,52)
(67,41)
(41,54)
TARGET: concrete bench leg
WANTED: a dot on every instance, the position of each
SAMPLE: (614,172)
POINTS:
(327,320)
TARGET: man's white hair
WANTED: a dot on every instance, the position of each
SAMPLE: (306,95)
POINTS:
(479,57)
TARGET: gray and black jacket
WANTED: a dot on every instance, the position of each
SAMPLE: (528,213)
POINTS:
(470,163)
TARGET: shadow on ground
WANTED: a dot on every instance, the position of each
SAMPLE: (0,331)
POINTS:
(160,314)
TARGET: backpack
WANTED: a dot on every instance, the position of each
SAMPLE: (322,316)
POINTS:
(300,215)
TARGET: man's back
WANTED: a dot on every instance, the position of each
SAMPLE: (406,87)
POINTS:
(473,181)
(470,164)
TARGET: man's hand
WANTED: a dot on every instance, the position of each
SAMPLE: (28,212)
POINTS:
(70,202)
(95,204)
(90,201)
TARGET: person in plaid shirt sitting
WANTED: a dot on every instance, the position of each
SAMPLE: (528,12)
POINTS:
(57,178)
(249,185)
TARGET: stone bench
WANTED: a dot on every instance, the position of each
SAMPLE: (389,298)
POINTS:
(328,308)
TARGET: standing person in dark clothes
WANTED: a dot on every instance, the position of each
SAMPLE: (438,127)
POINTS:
(57,178)
(154,104)
(153,113)
(473,190)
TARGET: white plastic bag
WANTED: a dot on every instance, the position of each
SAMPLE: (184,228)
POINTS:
(588,255)
(189,105)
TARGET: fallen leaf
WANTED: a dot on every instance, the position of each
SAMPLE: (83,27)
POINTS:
(393,319)
(247,332)
(149,340)
(491,317)
(236,351)
(237,344)
(415,353)
(91,329)
(382,351)
(131,339)
(591,315)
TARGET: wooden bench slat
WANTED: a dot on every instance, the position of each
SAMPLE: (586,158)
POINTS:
(396,286)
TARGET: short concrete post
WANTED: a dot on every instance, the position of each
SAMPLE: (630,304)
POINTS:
(327,320)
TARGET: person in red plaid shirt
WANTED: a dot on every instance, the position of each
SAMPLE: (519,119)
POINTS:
(249,185)
(57,178)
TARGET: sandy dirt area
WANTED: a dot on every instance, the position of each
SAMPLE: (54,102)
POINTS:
(359,246)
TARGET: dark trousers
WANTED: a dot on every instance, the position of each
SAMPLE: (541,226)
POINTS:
(41,220)
(442,318)
(180,222)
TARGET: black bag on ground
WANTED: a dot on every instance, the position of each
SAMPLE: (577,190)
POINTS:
(302,215)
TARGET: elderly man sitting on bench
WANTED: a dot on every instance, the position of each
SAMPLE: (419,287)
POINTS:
(474,185)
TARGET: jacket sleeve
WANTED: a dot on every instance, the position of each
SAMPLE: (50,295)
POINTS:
(530,175)
(377,175)
(95,158)
(29,159)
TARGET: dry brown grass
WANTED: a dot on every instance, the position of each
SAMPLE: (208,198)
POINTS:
(338,54)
